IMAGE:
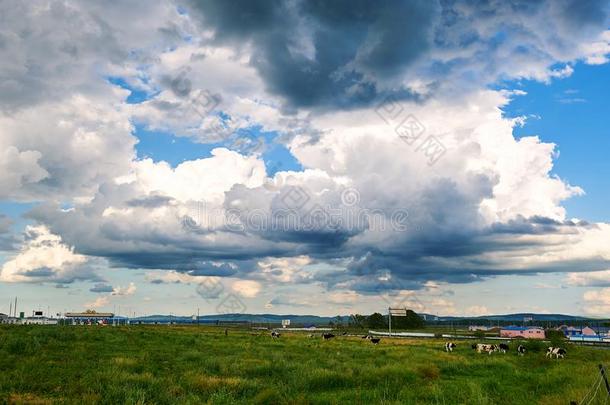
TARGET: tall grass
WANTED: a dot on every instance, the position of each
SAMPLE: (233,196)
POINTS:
(192,365)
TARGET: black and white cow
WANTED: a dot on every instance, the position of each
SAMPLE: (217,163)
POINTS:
(366,337)
(503,347)
(521,350)
(327,336)
(482,347)
(449,346)
(375,341)
(275,334)
(557,351)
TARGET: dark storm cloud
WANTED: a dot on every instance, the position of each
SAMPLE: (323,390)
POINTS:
(536,225)
(345,54)
(378,272)
(46,274)
(585,14)
(101,288)
(39,272)
(439,249)
(458,257)
(321,220)
(8,241)
(153,201)
(348,39)
(287,301)
(204,268)
(444,238)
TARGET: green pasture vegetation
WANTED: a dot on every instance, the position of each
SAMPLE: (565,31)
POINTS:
(192,365)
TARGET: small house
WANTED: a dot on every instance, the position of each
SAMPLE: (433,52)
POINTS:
(594,331)
(526,332)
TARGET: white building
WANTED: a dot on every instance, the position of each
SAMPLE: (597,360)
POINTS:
(38,321)
(38,318)
(473,328)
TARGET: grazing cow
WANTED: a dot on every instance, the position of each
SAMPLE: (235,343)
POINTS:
(557,351)
(275,334)
(482,347)
(521,350)
(375,341)
(366,337)
(327,336)
(449,346)
(503,347)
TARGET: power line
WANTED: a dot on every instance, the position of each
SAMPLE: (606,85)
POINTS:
(596,391)
(595,388)
(598,381)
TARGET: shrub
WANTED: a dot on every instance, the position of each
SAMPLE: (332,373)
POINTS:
(479,334)
(556,337)
(411,321)
(429,372)
(534,346)
(376,321)
(267,396)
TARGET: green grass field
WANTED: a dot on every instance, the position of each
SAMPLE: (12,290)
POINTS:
(163,364)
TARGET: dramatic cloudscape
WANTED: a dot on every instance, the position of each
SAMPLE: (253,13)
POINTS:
(306,157)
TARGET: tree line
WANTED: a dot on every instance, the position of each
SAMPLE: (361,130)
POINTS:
(379,321)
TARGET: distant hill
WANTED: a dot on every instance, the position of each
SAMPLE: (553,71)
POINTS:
(255,318)
(324,320)
(512,318)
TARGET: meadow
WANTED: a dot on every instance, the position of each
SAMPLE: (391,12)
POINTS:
(192,365)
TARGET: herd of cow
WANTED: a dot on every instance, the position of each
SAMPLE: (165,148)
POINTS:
(328,336)
(558,352)
(489,349)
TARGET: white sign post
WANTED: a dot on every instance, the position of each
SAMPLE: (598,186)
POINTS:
(395,312)
(285,323)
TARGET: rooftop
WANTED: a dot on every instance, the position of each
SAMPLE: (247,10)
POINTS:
(89,314)
(520,327)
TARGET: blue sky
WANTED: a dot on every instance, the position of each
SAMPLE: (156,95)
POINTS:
(174,150)
(179,154)
(573,114)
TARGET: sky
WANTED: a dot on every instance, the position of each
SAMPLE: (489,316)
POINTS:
(305,157)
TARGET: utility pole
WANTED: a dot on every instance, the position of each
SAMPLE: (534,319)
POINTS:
(197,315)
